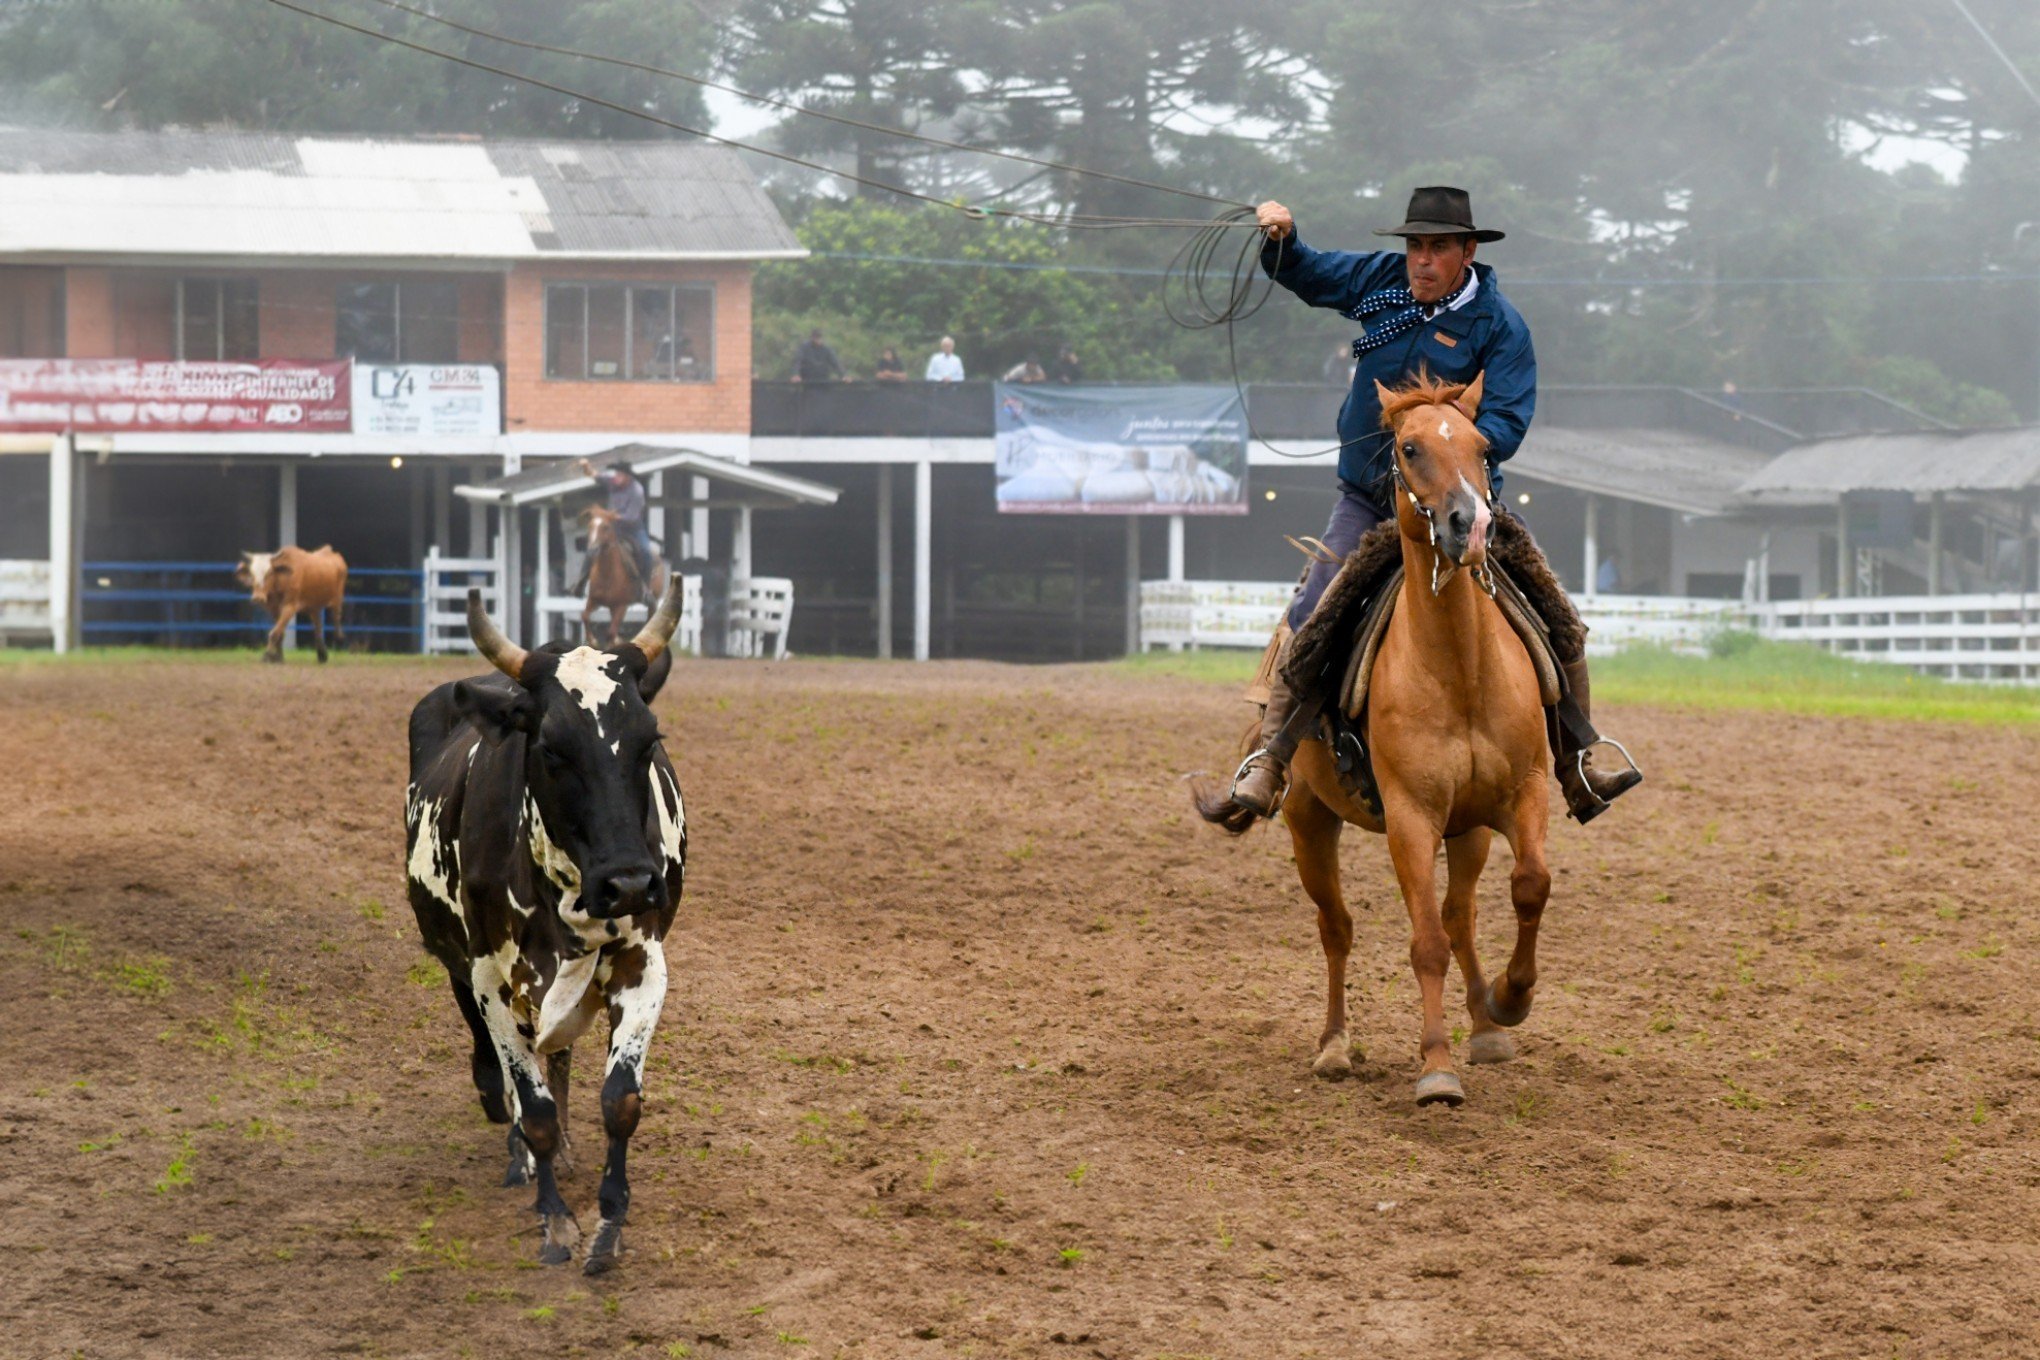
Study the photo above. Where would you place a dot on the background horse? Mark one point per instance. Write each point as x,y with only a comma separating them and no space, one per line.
1455,725
613,581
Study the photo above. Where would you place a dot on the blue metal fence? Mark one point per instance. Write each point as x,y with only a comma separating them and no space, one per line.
181,604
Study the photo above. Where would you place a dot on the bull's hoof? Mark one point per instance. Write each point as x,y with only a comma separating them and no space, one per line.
322,658
605,1253
1490,1046
273,658
1440,1088
1334,1059
1512,1014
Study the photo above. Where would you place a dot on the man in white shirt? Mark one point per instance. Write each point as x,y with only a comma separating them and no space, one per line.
944,366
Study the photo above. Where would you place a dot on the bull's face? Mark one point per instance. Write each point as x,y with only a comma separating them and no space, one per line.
585,720
253,573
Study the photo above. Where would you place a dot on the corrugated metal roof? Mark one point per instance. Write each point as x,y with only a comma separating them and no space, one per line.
1679,471
555,480
1920,463
223,194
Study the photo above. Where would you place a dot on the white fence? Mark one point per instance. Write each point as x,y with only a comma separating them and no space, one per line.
1957,637
24,599
761,610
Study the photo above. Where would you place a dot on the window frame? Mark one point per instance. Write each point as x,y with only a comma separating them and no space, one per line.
218,283
401,350
630,289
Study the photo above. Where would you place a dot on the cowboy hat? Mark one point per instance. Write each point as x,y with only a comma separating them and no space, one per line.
1440,210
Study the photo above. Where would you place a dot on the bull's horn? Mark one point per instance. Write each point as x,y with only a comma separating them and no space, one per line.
505,655
658,630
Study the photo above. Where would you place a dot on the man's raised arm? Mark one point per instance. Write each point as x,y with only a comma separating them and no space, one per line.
1322,278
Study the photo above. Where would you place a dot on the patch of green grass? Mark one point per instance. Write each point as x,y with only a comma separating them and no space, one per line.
1788,677
1069,1256
426,972
178,1174
148,978
1782,677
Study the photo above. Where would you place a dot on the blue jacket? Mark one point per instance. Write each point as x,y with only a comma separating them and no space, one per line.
1486,334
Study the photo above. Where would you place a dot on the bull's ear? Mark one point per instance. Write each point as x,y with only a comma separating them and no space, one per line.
494,708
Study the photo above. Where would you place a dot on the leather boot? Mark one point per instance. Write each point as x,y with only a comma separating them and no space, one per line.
1589,789
1263,775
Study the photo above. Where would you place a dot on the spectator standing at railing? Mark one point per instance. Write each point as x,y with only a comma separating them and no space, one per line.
943,365
889,368
1068,367
815,362
1028,370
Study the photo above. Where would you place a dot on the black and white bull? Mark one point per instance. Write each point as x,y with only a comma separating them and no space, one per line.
547,841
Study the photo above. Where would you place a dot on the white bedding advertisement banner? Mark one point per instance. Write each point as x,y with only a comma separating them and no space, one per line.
427,399
1176,450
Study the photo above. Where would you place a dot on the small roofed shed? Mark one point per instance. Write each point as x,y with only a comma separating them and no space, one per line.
677,480
1996,471
1671,469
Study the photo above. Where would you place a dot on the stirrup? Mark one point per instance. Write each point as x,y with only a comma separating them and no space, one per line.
1580,769
1257,754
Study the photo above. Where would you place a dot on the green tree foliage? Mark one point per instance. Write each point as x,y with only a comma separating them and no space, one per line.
865,297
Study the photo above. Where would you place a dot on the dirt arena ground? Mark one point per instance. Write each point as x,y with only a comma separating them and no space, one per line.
979,1045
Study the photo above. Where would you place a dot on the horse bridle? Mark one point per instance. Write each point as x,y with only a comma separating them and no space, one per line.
1483,576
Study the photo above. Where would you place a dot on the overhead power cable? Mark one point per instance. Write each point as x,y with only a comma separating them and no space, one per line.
1079,221
804,110
2002,55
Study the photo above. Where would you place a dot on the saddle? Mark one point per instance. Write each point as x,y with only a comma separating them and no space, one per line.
1330,661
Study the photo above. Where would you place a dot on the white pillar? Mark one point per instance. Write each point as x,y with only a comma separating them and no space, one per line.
655,513
1132,584
415,491
1935,513
287,527
1175,547
924,522
66,488
740,547
885,583
541,623
1593,546
512,577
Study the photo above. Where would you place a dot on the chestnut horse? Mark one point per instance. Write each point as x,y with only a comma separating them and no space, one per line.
613,581
1455,726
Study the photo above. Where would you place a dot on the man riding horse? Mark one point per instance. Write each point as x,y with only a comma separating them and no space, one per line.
1433,311
627,503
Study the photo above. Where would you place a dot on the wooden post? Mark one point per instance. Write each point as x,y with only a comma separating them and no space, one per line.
1845,560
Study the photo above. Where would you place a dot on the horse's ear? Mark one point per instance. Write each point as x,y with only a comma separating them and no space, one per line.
1382,394
1470,398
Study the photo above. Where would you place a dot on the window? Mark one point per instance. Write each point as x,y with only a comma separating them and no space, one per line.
416,321
216,319
637,333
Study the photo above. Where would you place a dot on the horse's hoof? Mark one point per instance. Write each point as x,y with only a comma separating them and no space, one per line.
1490,1046
1509,1015
562,1235
605,1253
1334,1060
1436,1088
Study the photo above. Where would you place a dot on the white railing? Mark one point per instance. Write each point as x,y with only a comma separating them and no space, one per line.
559,616
443,613
1957,637
760,607
24,599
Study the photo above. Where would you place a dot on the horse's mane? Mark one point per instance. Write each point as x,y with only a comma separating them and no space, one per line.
1422,390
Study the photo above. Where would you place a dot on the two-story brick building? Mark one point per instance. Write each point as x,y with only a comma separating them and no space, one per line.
453,306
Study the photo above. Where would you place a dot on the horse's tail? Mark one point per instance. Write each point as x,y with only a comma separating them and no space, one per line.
1216,805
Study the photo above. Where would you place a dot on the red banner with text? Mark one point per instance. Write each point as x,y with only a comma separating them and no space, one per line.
116,396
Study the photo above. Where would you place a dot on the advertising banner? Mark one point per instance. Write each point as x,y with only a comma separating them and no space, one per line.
1175,450
114,396
427,399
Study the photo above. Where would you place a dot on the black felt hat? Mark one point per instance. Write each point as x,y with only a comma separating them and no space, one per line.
1440,210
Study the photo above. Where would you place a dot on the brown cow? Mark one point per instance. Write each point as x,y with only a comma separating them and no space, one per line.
291,580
